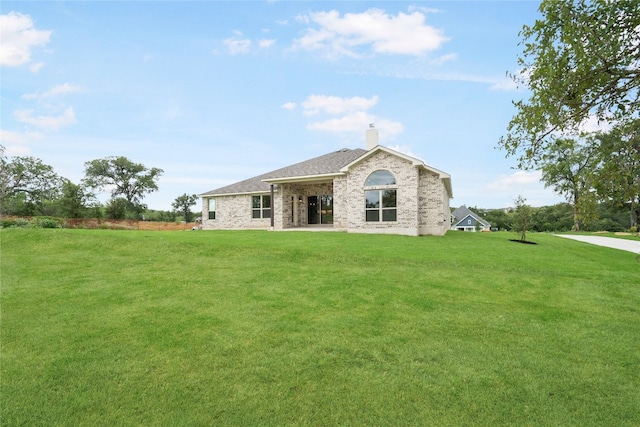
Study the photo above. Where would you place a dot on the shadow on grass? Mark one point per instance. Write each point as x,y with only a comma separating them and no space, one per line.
527,242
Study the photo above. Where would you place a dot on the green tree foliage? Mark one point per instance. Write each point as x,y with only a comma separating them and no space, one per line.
27,186
522,218
183,204
117,208
75,201
127,181
553,218
580,60
498,218
156,215
568,166
618,179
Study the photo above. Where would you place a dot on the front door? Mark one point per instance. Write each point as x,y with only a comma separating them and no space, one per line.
312,211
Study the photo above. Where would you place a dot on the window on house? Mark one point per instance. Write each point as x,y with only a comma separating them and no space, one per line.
212,208
380,178
261,206
380,203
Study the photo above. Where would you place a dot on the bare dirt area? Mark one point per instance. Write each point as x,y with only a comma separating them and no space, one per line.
112,224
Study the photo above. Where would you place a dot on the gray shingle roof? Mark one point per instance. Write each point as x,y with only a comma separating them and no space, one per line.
462,212
322,165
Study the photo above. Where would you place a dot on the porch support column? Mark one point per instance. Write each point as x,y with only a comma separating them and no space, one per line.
272,208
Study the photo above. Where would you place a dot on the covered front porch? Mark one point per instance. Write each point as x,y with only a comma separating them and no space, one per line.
308,204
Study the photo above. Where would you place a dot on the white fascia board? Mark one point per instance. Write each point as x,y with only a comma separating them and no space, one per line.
304,178
246,193
415,161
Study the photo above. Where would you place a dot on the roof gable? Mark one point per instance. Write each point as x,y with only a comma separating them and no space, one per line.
446,178
463,212
326,165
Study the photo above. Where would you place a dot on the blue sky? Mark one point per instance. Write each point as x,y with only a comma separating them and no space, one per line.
214,92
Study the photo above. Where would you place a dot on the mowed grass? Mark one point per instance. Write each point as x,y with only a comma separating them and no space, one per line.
103,328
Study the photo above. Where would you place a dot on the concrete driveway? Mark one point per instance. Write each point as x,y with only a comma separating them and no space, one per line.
610,242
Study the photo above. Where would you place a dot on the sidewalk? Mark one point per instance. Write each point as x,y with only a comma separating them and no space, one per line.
610,242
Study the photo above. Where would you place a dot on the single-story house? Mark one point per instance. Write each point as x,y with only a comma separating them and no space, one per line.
377,190
464,219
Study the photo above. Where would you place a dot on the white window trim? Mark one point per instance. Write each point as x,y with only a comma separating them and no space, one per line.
261,208
211,200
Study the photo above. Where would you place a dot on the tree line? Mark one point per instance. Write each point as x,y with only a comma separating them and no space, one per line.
29,187
556,218
581,65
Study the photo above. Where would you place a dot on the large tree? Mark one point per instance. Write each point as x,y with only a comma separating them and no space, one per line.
580,61
568,167
183,204
27,186
127,180
618,179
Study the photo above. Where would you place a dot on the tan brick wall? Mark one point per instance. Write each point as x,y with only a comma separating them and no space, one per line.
407,178
433,205
232,212
340,202
422,200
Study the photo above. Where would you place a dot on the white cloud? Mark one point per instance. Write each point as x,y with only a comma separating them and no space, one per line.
289,106
349,123
516,180
10,137
405,149
16,143
334,105
18,37
402,34
57,90
237,44
265,43
444,58
423,9
508,83
46,123
17,150
593,124
345,115
358,122
505,84
35,67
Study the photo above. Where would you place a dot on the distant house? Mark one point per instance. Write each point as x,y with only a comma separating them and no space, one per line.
377,190
464,219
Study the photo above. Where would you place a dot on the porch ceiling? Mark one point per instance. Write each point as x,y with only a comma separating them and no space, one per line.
298,179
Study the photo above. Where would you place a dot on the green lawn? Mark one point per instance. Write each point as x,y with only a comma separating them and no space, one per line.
239,328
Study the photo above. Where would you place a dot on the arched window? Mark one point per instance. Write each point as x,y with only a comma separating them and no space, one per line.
380,177
380,202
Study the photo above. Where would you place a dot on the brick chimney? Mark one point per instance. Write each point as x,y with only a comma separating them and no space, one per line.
372,137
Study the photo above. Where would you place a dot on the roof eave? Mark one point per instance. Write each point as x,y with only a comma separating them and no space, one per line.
245,193
303,178
414,161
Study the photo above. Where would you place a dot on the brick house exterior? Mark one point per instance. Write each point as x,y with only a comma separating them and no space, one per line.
377,190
